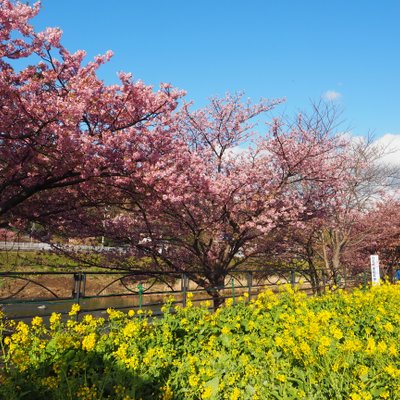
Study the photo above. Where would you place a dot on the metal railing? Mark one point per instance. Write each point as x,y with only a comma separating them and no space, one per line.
26,294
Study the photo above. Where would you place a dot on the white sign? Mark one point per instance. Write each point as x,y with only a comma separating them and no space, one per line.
375,274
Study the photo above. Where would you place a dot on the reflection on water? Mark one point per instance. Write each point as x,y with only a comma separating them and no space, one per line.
96,306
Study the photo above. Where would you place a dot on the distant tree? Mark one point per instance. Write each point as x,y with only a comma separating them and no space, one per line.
61,127
339,243
382,225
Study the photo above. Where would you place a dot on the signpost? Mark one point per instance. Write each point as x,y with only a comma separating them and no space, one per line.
375,274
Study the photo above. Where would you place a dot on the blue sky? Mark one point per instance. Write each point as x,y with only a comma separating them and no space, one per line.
299,50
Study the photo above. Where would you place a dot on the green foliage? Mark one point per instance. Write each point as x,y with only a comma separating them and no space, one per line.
49,261
33,260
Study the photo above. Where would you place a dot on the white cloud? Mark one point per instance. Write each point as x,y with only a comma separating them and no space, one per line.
331,95
390,144
237,151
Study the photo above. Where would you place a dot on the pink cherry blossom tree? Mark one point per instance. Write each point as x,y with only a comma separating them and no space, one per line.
206,211
62,129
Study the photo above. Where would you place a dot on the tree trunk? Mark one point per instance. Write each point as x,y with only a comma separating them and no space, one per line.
218,299
216,291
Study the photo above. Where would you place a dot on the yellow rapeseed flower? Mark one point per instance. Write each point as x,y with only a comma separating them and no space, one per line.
74,309
229,302
130,329
392,350
207,393
235,395
371,346
37,321
381,347
225,330
55,319
388,327
392,371
281,378
194,380
89,342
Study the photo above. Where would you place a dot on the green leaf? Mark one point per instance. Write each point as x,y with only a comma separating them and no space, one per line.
226,340
213,385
